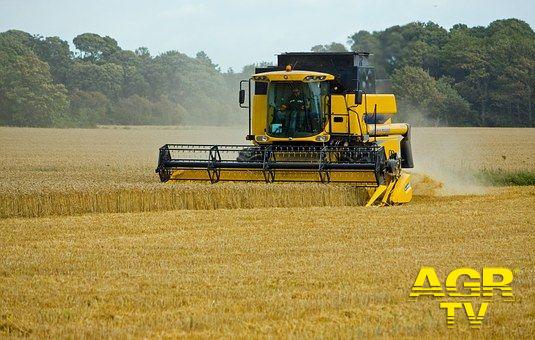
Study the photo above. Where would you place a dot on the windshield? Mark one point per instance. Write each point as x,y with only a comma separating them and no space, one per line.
297,109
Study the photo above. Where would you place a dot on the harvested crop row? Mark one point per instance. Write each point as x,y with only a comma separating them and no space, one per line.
195,196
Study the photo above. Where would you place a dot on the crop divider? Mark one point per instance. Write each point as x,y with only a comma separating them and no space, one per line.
268,159
214,158
325,175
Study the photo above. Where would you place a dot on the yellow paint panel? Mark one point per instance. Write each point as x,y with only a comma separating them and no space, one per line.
259,114
390,143
338,104
402,192
339,116
339,123
386,103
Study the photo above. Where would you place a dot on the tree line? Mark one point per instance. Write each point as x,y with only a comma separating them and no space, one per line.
464,76
44,83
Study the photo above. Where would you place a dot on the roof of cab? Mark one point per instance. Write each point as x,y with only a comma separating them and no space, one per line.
297,75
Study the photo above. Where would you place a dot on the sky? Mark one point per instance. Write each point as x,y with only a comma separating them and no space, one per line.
236,33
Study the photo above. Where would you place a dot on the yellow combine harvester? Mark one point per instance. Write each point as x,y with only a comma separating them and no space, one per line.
315,117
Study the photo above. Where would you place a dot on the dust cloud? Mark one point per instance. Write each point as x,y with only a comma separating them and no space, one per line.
445,162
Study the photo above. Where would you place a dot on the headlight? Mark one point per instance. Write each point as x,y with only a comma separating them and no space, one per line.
313,78
261,138
321,138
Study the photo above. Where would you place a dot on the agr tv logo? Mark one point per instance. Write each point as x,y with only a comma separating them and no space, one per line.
463,286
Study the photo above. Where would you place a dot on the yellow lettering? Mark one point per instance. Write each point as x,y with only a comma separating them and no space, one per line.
475,320
473,286
450,308
503,283
427,274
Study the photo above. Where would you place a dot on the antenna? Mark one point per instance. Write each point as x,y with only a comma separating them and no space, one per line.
375,119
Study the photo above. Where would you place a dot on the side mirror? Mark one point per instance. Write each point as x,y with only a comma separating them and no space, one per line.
358,97
242,97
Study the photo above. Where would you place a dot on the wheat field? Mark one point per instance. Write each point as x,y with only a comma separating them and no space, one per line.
269,272
73,171
64,172
91,245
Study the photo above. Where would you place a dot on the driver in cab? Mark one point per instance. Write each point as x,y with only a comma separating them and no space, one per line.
295,102
294,109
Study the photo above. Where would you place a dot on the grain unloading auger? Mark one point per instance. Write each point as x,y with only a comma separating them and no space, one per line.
313,118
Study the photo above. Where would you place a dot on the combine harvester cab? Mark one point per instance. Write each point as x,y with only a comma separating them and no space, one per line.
313,118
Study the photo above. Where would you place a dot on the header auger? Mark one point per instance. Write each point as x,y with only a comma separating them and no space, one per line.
315,117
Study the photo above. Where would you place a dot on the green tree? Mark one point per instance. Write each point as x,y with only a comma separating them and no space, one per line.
107,78
134,83
124,58
30,97
56,53
414,86
134,110
204,59
165,112
142,52
364,41
492,68
451,108
88,108
332,47
426,101
95,48
511,45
